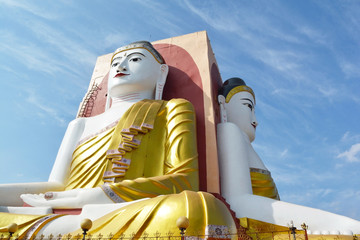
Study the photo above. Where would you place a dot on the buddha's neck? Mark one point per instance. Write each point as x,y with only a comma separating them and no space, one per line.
130,98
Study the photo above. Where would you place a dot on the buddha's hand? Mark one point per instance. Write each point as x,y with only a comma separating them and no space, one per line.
75,198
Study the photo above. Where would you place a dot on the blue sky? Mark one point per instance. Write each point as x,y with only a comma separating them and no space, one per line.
301,58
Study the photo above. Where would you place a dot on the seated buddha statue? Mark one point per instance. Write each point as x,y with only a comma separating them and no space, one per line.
239,101
246,183
132,169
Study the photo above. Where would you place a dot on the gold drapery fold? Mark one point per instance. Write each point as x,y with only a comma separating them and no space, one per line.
164,162
89,162
263,184
23,221
159,214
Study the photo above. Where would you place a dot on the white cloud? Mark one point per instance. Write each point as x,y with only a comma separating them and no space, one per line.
31,59
307,197
161,18
355,98
297,174
313,34
284,153
71,49
40,104
352,154
350,137
115,40
327,91
345,136
32,8
30,55
284,46
345,15
262,37
270,110
56,53
152,5
284,61
10,70
350,69
220,22
343,202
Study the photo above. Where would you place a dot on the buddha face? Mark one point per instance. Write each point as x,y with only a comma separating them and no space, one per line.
134,70
241,111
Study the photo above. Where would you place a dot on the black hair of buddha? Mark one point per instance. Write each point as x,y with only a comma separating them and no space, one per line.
149,45
229,84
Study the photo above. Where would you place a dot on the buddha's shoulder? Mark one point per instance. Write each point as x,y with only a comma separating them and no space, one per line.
179,104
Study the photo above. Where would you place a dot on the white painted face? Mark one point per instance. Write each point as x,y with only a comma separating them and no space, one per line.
240,110
133,70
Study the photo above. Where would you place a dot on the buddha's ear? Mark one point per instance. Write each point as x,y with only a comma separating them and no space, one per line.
108,98
221,99
223,114
108,102
164,70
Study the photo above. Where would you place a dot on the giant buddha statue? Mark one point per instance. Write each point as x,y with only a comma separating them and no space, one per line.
247,184
132,169
137,167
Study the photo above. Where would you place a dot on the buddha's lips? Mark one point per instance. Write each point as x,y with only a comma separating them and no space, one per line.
121,74
254,125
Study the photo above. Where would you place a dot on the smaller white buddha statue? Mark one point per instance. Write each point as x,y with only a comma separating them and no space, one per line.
237,106
246,183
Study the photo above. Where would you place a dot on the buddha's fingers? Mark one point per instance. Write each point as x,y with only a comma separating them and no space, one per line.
34,200
63,194
40,201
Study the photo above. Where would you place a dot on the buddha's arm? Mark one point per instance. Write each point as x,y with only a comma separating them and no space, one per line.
75,198
11,192
60,170
181,162
130,190
233,150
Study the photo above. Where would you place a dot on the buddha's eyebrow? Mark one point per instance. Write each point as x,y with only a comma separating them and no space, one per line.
136,53
116,58
248,100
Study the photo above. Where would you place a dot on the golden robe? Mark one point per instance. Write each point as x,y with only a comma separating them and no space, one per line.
149,153
140,162
263,184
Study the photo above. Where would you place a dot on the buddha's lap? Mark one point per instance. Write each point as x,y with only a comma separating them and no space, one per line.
153,215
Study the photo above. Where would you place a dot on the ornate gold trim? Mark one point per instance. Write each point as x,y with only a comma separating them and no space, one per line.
237,89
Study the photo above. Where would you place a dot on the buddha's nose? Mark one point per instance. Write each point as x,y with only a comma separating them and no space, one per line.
254,120
255,123
121,68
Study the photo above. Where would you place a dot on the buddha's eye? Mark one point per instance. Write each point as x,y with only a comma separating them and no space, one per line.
114,64
249,106
135,59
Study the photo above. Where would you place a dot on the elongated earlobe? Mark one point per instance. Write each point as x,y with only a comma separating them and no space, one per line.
223,115
108,100
164,70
